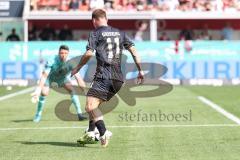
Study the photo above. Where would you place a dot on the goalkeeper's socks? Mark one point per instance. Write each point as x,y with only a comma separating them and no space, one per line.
101,127
76,103
40,105
91,126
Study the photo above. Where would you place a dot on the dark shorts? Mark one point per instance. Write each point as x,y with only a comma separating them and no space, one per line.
104,89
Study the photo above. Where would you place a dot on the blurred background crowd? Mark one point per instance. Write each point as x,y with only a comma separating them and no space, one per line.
49,33
138,29
137,5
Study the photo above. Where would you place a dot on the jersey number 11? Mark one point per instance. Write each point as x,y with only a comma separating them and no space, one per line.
113,52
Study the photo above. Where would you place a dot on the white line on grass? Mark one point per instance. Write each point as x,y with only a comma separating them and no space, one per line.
16,93
219,109
135,126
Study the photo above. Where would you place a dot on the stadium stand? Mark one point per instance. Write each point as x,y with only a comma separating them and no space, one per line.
137,5
207,19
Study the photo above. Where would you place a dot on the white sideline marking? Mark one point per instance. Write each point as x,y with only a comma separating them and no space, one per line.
16,93
219,109
136,126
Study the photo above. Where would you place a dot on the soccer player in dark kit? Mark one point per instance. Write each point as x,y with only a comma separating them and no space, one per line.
107,43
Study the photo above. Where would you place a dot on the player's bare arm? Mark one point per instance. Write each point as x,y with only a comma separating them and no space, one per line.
137,61
85,58
80,82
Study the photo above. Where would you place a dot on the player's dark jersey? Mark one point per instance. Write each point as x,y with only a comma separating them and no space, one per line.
108,43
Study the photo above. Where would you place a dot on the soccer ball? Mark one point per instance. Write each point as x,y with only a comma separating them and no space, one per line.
95,134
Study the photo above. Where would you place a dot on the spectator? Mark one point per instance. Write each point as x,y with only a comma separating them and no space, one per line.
208,6
0,36
218,5
84,5
141,29
163,5
164,37
74,5
32,33
132,5
204,35
13,36
108,4
94,4
118,5
64,5
229,5
186,34
33,5
227,32
152,5
47,4
48,33
185,5
65,33
141,5
172,4
129,5
199,5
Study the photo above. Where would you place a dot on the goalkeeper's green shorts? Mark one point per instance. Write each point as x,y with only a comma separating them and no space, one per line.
59,83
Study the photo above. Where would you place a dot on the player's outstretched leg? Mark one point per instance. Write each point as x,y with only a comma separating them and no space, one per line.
40,106
105,135
68,86
77,106
95,117
91,125
91,135
41,101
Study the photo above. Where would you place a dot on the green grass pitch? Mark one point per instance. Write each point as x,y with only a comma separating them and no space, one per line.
209,135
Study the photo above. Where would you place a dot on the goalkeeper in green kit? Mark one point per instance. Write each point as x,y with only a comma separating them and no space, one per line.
57,71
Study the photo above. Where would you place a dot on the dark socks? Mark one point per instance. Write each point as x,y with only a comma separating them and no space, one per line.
91,126
101,127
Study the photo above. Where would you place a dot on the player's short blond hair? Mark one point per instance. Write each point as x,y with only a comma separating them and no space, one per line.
99,13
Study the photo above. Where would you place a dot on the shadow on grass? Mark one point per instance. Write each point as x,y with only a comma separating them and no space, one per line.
22,120
63,144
